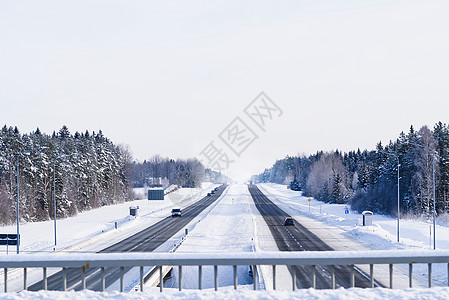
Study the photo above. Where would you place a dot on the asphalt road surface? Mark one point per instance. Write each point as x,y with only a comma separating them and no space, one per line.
299,238
146,240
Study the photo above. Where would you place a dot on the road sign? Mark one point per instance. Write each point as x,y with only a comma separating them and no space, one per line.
156,194
309,200
346,211
8,239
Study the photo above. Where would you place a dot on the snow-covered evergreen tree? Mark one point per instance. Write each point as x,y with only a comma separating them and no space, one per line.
95,176
294,184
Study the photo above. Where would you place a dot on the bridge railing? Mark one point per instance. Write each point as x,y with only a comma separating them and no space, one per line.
254,259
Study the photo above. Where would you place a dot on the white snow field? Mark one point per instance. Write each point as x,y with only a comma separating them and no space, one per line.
94,225
232,224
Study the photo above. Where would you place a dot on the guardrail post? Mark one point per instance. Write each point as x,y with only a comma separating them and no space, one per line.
293,279
200,277
161,280
391,276
5,272
430,274
410,275
84,277
255,279
448,274
103,279
274,277
44,270
122,275
216,277
235,277
25,279
371,275
351,276
333,277
180,277
64,279
141,278
313,276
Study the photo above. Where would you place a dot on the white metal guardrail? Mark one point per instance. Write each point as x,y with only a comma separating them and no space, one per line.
312,258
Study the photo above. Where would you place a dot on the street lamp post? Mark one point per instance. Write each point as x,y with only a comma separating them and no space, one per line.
397,157
17,178
433,179
54,188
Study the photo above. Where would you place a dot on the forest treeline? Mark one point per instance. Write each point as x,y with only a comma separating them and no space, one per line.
185,173
90,171
367,180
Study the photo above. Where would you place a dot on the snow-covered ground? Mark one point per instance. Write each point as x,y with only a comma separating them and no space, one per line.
381,235
94,230
344,231
39,236
233,224
229,227
340,294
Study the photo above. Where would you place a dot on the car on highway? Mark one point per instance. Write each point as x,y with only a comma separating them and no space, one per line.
176,212
208,194
212,192
289,221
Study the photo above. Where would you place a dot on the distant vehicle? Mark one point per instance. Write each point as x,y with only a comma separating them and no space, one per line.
289,221
176,212
216,189
208,194
212,192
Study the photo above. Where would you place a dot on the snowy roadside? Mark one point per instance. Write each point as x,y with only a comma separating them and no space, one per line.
94,230
413,233
343,231
39,236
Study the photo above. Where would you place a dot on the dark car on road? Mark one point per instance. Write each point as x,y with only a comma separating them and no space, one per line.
289,221
176,212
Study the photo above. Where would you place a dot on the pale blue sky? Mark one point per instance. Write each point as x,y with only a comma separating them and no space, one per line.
167,78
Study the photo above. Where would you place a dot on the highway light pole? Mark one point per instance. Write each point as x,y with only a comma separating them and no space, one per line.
397,157
17,178
54,187
433,179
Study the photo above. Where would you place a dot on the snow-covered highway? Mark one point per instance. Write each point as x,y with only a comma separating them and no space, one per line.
146,240
231,225
299,238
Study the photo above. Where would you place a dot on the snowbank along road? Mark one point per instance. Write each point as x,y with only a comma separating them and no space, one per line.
299,238
146,240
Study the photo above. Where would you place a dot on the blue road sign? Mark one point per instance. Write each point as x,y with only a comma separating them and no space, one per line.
8,239
346,211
